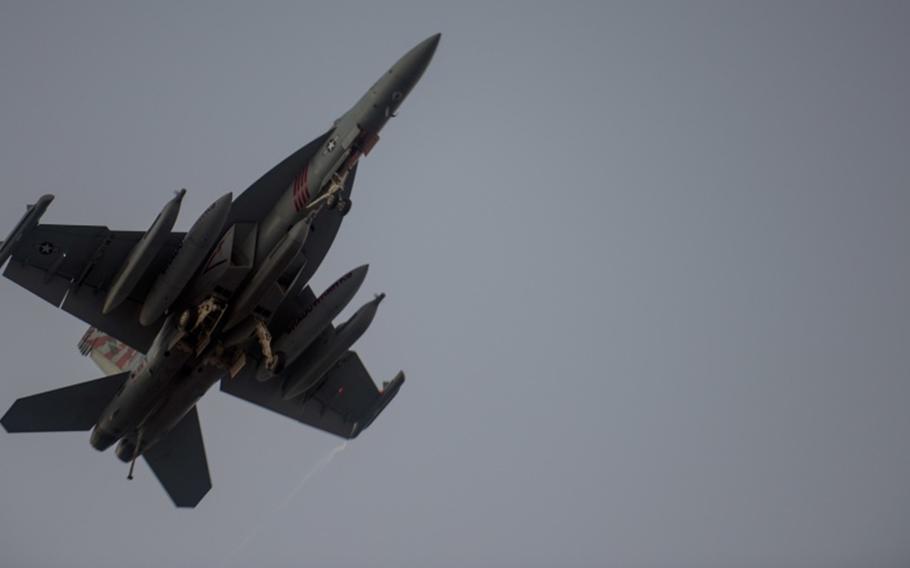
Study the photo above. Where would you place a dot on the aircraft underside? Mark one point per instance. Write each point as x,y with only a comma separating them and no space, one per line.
227,302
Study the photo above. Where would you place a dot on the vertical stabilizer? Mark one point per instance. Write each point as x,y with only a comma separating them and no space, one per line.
111,355
179,462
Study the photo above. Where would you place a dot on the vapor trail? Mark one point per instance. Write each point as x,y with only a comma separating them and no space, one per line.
317,467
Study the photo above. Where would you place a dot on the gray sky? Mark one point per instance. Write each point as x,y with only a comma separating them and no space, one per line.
646,268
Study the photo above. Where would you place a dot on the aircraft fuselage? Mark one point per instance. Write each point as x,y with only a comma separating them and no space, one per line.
200,343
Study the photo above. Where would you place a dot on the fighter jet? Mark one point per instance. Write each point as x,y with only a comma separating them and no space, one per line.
227,302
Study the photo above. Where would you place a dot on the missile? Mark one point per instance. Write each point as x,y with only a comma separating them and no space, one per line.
315,319
28,222
304,372
196,245
266,275
143,254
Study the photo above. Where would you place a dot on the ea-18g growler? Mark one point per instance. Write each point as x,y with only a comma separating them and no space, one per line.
227,302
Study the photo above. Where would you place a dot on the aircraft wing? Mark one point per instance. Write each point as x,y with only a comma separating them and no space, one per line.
72,266
345,404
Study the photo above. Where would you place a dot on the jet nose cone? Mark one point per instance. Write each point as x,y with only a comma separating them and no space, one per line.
424,50
415,62
429,45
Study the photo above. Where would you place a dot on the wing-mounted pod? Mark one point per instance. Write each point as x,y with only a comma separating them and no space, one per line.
142,255
28,222
261,292
305,372
317,317
196,245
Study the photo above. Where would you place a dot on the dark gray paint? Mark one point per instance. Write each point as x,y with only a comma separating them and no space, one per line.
211,342
73,408
660,266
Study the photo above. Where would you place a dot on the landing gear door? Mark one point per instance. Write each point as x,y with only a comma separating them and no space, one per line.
349,137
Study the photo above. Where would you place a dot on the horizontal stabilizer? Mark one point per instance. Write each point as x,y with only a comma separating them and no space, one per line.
72,408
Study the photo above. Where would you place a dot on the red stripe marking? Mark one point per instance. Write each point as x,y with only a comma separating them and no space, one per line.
294,195
295,187
300,190
306,188
125,360
100,341
112,350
